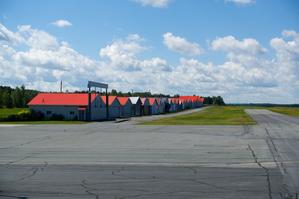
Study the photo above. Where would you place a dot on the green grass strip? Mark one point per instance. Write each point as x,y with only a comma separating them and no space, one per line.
215,115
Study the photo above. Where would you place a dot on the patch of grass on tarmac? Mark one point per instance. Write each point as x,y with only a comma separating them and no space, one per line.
292,111
215,115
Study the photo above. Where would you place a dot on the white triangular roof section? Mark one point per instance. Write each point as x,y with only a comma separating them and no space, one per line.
134,100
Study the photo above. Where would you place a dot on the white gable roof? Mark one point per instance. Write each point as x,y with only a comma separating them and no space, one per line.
134,100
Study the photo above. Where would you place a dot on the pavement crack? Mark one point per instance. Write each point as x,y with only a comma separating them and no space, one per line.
271,140
264,168
151,194
246,131
11,196
194,170
89,190
44,166
34,171
277,159
28,142
21,159
211,185
118,174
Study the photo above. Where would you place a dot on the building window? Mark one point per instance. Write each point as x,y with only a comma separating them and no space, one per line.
49,112
72,112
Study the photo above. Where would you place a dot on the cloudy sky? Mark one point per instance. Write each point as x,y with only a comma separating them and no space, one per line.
244,50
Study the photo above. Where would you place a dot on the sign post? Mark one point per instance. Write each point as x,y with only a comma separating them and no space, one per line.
99,85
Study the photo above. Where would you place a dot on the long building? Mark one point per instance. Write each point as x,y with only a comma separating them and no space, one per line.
126,106
114,106
74,106
136,106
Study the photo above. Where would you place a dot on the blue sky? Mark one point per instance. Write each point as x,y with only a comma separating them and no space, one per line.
233,48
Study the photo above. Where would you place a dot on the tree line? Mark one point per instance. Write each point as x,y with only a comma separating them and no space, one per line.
214,100
15,97
209,100
114,92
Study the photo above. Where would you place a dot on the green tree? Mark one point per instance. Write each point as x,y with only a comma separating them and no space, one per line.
1,99
16,96
113,92
221,101
218,101
6,99
208,100
23,96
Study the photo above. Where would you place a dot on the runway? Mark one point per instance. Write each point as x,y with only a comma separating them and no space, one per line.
122,160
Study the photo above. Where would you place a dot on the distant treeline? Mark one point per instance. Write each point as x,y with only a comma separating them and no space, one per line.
210,100
129,94
266,105
15,97
214,100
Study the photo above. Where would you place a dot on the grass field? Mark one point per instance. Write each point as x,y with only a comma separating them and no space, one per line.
45,122
216,115
292,111
5,112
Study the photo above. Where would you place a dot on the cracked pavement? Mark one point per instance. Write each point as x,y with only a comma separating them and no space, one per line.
123,161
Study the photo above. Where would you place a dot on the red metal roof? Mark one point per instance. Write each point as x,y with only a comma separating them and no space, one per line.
201,99
67,99
151,100
158,100
143,100
123,100
110,99
174,100
190,98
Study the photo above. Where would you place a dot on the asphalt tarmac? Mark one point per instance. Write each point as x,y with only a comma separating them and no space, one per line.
123,160
283,141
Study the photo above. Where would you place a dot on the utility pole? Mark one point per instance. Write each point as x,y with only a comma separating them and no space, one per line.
107,104
89,105
61,86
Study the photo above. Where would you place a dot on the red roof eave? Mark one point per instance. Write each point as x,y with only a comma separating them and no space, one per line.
61,99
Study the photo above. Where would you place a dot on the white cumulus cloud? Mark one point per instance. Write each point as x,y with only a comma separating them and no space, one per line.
9,36
122,52
42,62
241,2
246,50
37,39
181,45
244,76
231,44
154,3
62,23
287,56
